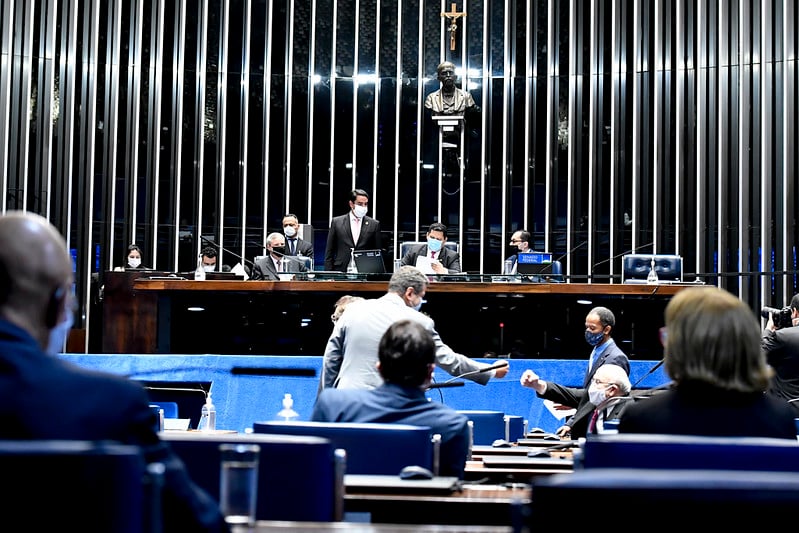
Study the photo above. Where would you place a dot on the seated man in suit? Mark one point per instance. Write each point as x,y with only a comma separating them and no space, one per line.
353,230
519,244
269,267
441,259
295,245
45,397
406,359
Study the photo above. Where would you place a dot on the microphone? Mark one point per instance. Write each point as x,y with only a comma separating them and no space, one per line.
607,260
650,372
502,364
237,256
445,385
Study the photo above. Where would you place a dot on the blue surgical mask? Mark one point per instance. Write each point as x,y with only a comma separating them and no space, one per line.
434,244
594,338
419,305
58,335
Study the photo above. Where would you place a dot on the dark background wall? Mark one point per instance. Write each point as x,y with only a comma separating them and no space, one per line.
602,127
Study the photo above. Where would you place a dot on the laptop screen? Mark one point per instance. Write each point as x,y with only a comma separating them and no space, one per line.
533,263
369,261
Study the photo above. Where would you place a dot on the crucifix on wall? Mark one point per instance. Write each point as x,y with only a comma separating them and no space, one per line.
453,17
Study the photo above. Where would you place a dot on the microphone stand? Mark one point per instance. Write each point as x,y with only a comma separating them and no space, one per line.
222,248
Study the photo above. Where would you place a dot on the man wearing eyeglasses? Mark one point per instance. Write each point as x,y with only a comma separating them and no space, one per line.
519,244
599,324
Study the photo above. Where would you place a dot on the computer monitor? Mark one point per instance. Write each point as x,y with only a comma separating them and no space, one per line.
534,263
369,261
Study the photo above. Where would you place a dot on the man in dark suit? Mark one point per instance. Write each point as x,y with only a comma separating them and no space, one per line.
271,266
406,359
599,324
45,397
295,245
519,244
353,230
442,259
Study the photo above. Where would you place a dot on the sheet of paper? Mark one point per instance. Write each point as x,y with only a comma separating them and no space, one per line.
560,414
176,424
425,264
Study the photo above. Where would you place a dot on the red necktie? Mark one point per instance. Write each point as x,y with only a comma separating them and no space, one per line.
592,423
433,255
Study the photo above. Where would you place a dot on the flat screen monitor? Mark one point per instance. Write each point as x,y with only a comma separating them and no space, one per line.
369,261
534,263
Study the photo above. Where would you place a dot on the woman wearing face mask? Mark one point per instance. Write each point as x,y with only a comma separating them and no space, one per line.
599,324
133,259
441,259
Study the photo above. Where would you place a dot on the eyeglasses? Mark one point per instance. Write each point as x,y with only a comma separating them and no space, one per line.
515,241
598,382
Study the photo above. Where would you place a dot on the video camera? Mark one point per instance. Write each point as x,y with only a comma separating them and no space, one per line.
780,317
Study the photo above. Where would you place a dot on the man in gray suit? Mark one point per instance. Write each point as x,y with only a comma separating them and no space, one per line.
353,230
350,360
269,267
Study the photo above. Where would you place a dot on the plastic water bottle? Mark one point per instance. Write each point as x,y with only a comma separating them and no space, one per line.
652,277
284,264
199,274
352,268
288,413
208,415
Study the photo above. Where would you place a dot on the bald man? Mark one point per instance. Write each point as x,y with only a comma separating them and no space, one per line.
44,397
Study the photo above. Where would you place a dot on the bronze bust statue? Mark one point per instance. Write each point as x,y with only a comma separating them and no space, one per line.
448,100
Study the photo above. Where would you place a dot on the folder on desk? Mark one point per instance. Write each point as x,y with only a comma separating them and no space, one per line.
395,485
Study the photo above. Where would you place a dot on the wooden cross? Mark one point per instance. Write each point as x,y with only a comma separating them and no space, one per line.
453,17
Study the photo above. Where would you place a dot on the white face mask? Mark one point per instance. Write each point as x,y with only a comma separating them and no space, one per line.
360,210
59,334
134,262
289,231
209,268
596,395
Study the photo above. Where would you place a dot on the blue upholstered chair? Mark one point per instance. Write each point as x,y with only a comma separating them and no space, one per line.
514,427
405,247
299,478
67,485
632,450
371,448
724,498
488,426
636,267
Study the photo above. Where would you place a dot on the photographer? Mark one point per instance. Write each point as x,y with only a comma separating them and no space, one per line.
780,343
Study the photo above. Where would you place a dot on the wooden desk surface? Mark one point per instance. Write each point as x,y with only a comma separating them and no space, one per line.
617,289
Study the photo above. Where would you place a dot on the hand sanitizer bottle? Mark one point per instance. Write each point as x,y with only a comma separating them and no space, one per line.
208,415
199,274
352,268
652,277
288,413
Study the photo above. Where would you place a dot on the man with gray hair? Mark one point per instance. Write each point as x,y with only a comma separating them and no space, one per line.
270,266
350,360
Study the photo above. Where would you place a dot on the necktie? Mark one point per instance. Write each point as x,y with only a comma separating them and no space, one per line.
592,423
356,229
293,246
433,255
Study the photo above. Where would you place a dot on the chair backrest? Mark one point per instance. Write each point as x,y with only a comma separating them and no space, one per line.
636,267
60,485
721,497
372,448
299,478
170,408
631,450
405,247
488,426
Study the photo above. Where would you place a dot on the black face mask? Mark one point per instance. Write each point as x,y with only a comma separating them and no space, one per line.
279,249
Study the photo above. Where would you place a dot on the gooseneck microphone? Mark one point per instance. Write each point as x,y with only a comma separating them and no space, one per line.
649,373
607,260
445,385
502,364
237,256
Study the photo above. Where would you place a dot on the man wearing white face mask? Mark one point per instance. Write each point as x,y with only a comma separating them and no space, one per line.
350,360
609,393
442,259
44,397
208,259
354,230
295,245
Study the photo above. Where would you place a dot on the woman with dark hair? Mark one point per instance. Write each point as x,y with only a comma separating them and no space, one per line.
133,259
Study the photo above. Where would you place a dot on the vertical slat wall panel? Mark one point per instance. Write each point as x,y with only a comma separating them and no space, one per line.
157,122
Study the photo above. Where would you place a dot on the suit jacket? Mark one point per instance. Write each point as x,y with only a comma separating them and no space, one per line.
43,397
449,258
304,248
264,268
611,354
395,404
340,242
693,408
782,352
351,354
